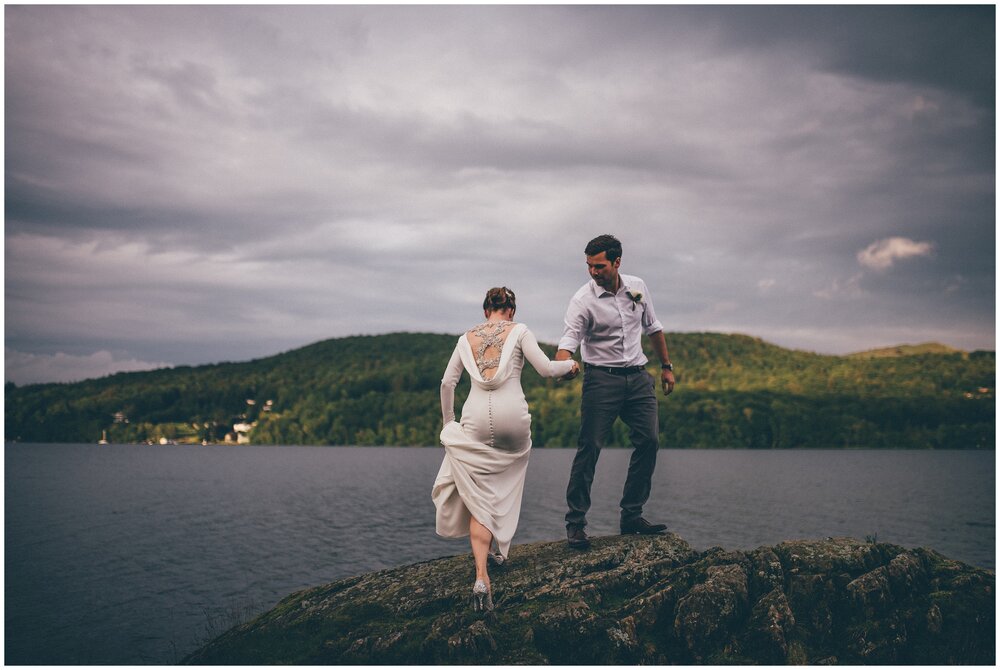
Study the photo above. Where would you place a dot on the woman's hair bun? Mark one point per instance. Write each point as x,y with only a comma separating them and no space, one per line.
499,298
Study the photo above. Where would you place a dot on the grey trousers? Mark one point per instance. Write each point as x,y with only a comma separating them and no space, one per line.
606,397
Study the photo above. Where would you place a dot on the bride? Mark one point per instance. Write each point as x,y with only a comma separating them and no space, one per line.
478,489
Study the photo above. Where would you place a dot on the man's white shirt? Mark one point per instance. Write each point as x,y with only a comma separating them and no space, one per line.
607,326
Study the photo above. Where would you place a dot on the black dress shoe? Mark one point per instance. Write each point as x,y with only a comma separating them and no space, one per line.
642,527
577,538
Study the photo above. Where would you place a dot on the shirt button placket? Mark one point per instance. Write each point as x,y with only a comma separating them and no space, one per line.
621,316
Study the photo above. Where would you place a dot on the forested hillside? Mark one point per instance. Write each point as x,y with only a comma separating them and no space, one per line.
732,391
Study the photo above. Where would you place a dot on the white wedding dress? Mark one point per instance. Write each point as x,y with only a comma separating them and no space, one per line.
486,455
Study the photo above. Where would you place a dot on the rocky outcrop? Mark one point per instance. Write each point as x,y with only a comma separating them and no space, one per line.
649,600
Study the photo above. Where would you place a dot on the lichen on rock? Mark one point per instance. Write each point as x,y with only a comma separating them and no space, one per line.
640,600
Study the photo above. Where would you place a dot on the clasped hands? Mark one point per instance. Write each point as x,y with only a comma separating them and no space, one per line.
574,371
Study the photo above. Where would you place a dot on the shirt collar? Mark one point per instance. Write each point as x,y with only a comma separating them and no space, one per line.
598,291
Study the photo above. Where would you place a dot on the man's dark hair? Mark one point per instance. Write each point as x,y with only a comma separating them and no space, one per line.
609,244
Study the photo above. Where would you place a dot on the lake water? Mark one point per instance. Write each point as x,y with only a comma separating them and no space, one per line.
132,554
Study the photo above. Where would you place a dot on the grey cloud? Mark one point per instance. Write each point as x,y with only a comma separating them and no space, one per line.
245,168
951,48
193,85
521,145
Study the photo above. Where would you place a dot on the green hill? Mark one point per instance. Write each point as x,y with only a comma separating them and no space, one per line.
908,350
733,391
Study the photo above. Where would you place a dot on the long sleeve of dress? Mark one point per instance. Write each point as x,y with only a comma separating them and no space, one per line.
534,355
452,374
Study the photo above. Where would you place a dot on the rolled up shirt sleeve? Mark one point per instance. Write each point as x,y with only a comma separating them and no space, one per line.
650,324
574,324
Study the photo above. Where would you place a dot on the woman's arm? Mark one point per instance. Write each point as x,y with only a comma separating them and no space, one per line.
452,374
534,355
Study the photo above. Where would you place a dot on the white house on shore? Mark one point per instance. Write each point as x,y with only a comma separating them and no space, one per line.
242,431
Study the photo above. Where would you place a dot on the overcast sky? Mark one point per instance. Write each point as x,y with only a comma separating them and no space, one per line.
186,185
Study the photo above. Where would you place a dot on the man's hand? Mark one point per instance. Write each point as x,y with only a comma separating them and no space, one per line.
660,347
667,379
563,355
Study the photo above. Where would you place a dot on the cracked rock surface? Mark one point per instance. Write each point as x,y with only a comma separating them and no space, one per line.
634,599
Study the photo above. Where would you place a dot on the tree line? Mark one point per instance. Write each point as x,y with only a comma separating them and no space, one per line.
733,391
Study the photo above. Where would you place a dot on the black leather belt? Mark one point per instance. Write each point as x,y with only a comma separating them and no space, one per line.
631,370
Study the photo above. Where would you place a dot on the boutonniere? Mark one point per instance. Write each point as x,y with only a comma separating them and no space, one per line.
634,296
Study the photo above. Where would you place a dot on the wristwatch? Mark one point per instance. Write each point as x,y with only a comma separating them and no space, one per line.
667,366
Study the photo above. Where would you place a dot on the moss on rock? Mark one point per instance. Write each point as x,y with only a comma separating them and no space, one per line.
648,600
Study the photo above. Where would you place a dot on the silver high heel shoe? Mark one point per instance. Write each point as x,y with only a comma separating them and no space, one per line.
496,558
482,599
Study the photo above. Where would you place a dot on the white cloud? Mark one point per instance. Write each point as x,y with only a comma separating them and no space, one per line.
24,368
882,254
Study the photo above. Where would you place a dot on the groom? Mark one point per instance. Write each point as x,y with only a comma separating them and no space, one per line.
606,319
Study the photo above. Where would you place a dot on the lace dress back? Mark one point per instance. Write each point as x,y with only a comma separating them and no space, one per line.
487,340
